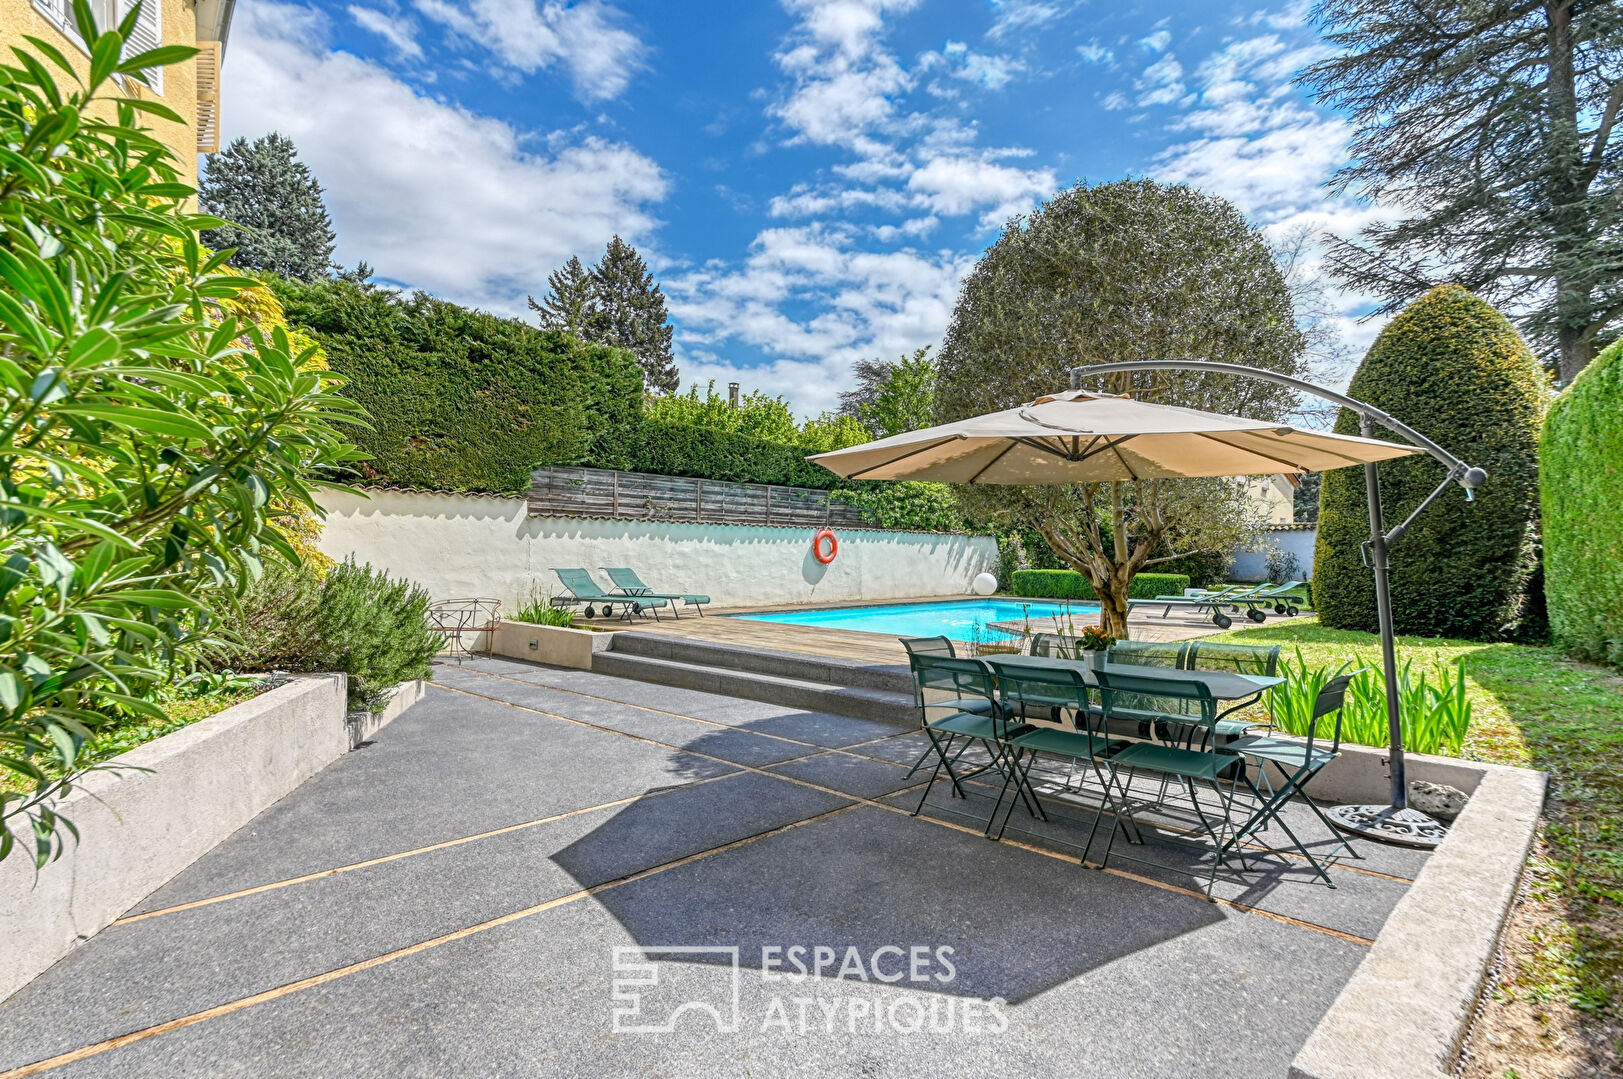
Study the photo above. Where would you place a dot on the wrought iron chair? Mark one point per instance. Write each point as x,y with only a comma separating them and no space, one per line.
1048,713
455,620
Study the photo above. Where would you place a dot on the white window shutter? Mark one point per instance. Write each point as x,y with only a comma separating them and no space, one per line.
148,34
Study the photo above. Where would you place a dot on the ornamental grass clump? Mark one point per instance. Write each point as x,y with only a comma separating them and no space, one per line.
1434,707
150,439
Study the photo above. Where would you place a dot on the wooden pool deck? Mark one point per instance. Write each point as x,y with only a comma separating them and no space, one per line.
716,626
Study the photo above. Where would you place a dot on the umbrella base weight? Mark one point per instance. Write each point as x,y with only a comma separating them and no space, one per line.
1405,827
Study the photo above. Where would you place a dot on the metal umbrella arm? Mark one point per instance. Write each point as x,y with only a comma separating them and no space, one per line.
1394,822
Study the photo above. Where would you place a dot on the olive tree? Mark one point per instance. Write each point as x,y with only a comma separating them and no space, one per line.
1132,270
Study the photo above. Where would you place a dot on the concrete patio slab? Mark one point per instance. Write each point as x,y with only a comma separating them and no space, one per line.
492,952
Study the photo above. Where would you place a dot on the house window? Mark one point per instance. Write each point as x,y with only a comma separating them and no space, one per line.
147,33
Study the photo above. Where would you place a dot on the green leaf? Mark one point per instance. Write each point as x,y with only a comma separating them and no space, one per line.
162,56
95,346
177,424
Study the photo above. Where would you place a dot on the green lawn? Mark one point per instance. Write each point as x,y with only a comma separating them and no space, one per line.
1535,707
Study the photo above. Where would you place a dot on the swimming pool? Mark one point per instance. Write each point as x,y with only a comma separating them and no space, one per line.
959,620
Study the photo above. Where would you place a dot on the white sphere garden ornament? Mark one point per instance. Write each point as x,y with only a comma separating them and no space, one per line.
984,584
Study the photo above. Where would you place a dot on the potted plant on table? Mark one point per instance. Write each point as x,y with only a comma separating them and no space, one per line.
1095,642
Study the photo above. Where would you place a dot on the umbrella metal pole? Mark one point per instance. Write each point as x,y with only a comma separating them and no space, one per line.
1383,615
1394,822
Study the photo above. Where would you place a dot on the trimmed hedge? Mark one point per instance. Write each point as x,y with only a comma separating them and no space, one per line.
1070,584
678,449
1581,488
461,400
1455,370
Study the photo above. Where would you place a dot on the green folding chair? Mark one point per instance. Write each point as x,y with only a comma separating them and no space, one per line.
1049,715
1297,762
1183,704
1241,659
952,735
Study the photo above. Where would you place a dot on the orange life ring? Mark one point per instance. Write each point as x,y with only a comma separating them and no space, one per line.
833,546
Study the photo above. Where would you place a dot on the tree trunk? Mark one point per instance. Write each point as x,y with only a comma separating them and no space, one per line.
1574,273
1113,611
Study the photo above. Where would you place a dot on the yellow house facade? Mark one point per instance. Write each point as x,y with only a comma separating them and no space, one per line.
191,89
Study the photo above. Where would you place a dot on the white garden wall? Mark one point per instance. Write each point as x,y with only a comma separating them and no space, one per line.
472,545
1297,539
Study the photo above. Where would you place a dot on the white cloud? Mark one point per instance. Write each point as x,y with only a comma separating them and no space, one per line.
871,304
1255,141
1161,83
432,195
398,32
957,185
1095,53
1015,16
992,71
1157,41
1114,101
529,36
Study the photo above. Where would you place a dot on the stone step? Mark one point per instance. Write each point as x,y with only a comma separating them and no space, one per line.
810,695
799,666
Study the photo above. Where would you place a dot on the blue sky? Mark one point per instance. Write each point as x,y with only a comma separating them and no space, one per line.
810,180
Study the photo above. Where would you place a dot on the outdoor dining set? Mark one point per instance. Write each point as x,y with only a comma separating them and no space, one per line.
1142,731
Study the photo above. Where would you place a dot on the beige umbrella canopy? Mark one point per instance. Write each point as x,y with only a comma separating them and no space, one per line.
1083,437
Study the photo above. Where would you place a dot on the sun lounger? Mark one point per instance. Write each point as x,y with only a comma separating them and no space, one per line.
583,590
627,581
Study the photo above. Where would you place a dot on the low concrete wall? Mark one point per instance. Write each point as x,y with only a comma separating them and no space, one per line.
472,545
139,828
1405,1011
362,725
556,645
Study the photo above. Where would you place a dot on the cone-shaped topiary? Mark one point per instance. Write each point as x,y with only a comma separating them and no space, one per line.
1581,483
1454,369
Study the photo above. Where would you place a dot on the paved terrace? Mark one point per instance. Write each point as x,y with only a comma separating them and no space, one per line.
448,901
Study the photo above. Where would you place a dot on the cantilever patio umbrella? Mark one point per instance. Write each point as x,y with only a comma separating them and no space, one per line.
1083,437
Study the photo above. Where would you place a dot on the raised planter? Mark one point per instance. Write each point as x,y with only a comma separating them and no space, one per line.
167,803
557,645
1405,1011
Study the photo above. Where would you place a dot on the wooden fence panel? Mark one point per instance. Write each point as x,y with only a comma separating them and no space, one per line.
600,492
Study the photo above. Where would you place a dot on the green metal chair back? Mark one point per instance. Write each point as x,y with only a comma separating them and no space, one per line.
580,583
928,646
1150,653
1041,697
1239,658
1140,697
956,680
1331,696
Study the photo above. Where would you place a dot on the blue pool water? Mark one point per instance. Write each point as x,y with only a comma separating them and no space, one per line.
958,620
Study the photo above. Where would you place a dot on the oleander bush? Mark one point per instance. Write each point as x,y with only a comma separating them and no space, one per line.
152,438
1456,370
1581,492
1069,584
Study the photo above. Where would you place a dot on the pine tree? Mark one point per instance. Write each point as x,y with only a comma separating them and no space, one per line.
632,314
569,305
1494,128
278,220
